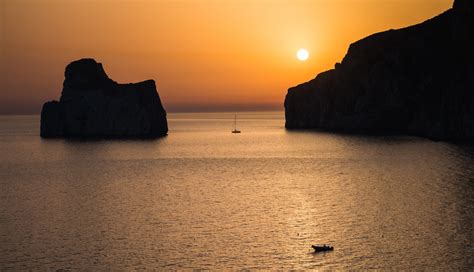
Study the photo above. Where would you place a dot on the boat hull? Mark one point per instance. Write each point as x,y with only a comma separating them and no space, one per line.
322,248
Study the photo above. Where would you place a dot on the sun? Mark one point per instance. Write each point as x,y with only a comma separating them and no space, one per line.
302,54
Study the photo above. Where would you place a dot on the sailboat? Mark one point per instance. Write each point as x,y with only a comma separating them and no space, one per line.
235,125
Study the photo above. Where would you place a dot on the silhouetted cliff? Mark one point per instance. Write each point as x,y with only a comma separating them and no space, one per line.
93,105
417,80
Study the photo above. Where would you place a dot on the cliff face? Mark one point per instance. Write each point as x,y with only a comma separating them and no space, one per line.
417,80
93,105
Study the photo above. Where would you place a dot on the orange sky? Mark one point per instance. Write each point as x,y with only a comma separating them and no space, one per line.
203,54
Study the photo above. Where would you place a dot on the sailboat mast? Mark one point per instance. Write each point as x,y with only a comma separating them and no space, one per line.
235,125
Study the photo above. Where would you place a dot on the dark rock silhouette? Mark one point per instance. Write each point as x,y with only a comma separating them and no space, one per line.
93,105
417,80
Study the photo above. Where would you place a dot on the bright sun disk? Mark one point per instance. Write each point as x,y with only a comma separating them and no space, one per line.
302,54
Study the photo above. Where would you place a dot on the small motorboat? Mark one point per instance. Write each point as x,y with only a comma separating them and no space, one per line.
322,248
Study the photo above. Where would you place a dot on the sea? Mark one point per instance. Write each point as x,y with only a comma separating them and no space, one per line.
204,198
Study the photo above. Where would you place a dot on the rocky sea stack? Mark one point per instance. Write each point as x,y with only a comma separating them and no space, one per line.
93,105
417,80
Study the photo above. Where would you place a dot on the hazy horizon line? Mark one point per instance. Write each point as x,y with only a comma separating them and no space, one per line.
173,108
175,111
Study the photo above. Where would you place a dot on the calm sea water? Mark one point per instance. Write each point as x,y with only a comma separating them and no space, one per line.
207,199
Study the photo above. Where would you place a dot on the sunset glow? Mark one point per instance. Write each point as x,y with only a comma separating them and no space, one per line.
204,55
